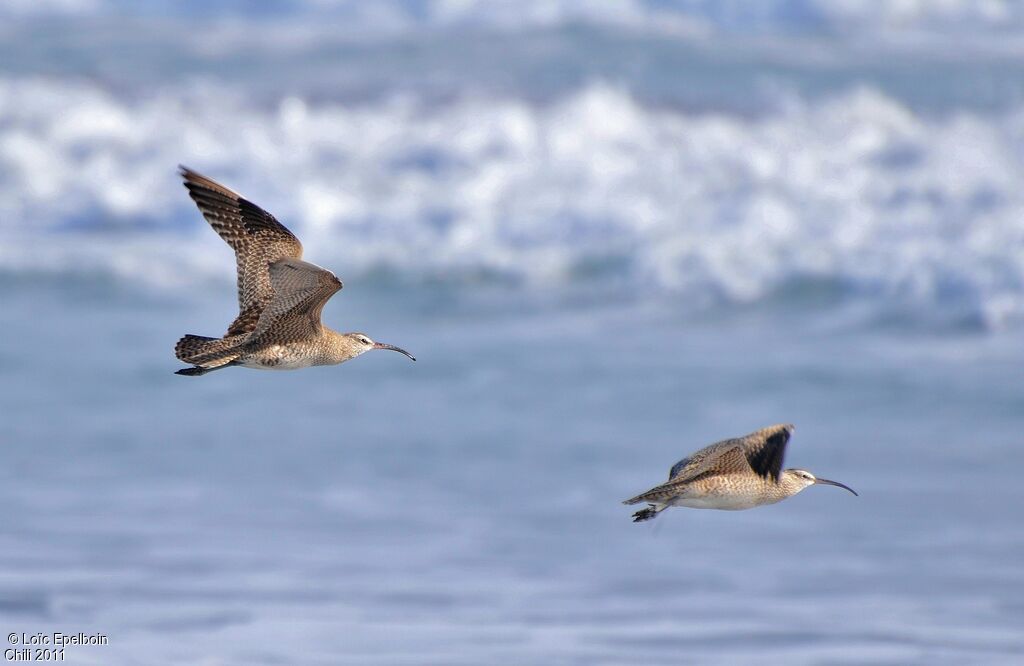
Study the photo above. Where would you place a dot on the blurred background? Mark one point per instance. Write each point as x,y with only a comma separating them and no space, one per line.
612,233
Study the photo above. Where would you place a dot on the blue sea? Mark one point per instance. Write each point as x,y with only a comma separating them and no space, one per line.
611,235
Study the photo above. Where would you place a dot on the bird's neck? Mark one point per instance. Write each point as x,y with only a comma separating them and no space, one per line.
789,485
339,347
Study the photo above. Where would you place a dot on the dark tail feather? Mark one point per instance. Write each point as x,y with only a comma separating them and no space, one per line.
198,371
193,346
207,352
192,372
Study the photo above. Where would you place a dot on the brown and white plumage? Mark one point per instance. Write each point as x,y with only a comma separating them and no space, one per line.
257,238
301,290
733,474
280,297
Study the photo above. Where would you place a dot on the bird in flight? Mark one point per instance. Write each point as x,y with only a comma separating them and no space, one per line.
280,297
732,474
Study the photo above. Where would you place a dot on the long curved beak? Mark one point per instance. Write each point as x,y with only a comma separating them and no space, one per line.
381,345
826,482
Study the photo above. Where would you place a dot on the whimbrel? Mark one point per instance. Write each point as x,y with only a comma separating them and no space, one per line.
280,297
732,474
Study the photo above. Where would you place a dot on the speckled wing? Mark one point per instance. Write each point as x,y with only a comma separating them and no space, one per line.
257,238
703,460
765,449
300,291
679,467
762,451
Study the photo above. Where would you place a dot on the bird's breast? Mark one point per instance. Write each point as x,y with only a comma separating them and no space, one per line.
721,502
727,492
279,357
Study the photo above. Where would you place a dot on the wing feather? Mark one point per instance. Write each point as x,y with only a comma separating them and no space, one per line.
766,449
257,238
762,451
300,291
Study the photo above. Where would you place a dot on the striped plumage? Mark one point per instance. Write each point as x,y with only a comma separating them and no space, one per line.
257,238
280,297
733,474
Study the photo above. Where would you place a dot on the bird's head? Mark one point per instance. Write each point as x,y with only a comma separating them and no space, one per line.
798,479
362,343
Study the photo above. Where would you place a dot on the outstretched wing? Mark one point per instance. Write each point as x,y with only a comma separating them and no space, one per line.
679,467
256,237
766,449
761,451
726,455
300,291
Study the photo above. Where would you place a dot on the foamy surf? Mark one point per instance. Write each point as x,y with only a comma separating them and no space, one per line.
855,191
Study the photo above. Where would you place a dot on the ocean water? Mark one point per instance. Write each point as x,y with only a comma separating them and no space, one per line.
610,238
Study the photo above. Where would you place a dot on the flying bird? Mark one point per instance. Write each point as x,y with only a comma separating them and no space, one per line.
280,297
732,474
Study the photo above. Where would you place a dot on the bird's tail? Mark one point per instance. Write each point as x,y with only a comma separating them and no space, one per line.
196,371
654,506
632,500
652,496
207,353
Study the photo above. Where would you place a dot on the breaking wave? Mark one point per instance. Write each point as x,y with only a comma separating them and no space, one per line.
854,191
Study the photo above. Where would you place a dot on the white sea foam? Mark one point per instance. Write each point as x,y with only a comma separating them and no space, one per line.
853,191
